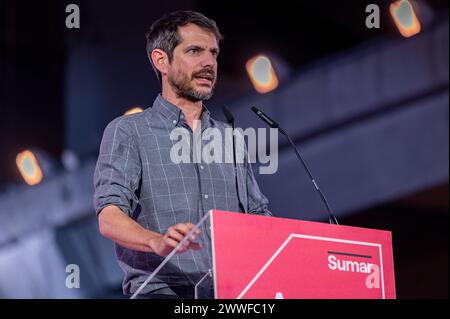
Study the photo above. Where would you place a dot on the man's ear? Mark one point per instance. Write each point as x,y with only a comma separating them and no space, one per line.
160,60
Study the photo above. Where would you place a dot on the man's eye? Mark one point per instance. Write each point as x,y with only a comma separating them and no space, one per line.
193,51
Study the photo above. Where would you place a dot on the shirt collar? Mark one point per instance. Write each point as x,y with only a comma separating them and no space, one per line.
174,114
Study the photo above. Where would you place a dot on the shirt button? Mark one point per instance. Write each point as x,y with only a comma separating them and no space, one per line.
201,167
174,122
206,196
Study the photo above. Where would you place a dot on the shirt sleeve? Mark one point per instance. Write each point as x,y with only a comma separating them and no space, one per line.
257,202
118,170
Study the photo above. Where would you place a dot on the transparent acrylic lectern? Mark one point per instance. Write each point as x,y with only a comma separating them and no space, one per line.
201,276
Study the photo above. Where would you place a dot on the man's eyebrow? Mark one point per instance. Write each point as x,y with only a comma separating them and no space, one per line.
198,47
194,46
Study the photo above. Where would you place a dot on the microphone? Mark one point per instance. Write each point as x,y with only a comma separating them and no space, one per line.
230,120
332,219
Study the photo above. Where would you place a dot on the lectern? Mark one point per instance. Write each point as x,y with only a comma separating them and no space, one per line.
263,257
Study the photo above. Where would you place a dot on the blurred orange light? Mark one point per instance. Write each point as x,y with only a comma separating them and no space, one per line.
405,18
29,168
134,110
262,74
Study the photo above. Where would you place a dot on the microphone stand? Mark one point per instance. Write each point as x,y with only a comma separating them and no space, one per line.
332,219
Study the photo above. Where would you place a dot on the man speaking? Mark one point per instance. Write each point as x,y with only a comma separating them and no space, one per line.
146,203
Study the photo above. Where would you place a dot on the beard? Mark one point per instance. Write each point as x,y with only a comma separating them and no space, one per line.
182,85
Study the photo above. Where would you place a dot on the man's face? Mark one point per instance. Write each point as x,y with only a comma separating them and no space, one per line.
193,71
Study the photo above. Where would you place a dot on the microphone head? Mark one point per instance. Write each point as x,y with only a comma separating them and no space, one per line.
264,117
228,116
254,109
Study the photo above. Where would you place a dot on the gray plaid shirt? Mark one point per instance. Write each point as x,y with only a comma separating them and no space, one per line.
134,171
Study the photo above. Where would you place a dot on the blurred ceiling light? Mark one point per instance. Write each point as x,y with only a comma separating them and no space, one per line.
134,110
29,168
262,74
405,18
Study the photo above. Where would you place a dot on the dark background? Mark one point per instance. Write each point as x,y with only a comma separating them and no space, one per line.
60,87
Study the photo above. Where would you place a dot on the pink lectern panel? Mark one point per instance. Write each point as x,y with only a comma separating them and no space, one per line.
269,257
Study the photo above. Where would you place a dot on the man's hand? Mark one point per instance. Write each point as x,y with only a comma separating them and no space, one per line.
164,244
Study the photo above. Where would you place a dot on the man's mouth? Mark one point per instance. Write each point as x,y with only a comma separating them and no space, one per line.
204,78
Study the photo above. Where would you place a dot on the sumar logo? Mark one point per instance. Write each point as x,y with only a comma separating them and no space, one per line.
334,263
346,265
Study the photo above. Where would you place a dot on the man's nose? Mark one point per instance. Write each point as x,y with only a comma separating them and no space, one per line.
209,60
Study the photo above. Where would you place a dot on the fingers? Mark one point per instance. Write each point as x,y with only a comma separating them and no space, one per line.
185,228
195,246
176,233
170,242
182,228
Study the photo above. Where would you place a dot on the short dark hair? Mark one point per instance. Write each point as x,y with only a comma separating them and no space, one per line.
163,33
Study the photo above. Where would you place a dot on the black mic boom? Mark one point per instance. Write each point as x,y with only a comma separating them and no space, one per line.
332,219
